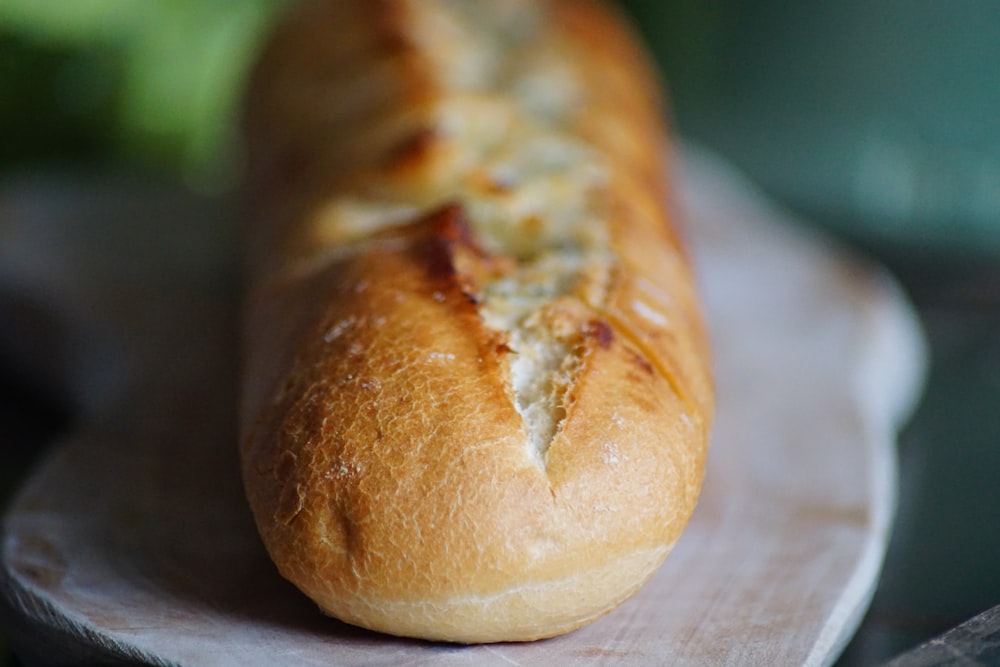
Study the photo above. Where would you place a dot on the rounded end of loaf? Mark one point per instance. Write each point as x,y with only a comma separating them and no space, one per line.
397,486
525,612
483,544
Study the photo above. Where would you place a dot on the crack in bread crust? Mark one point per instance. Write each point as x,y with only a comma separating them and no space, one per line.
499,145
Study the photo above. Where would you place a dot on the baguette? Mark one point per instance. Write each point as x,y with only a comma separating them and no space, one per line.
476,395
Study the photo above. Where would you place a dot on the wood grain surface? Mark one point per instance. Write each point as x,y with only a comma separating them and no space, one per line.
974,643
132,542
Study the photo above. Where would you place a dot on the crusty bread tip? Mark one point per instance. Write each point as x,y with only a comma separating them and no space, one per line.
477,393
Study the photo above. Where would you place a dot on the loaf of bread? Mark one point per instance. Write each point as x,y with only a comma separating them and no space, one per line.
477,392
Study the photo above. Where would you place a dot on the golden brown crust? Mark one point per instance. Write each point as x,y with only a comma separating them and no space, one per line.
397,457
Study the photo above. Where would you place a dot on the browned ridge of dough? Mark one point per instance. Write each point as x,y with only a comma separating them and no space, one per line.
477,387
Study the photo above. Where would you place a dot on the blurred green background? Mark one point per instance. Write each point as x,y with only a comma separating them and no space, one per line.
879,121
144,82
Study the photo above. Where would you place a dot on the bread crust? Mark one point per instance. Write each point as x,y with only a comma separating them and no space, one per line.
399,468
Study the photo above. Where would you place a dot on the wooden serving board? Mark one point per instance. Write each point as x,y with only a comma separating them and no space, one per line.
131,541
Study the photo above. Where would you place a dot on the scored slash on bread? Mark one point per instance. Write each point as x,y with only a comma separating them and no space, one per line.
477,387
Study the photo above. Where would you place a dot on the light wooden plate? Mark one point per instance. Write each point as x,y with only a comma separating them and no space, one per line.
132,542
